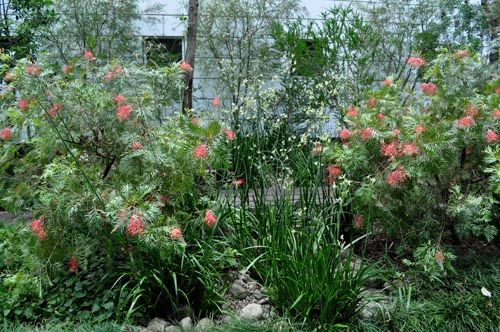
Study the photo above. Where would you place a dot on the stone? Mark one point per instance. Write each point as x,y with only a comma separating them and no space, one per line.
137,329
157,325
237,291
252,311
355,264
172,328
264,300
186,323
204,324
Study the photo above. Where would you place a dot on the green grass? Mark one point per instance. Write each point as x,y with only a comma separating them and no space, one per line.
61,327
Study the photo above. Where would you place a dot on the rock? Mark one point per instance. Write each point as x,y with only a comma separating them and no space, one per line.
252,311
389,285
172,328
204,324
186,323
355,264
369,310
137,329
237,291
157,325
264,300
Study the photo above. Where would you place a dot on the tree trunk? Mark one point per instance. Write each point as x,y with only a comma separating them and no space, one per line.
187,100
491,10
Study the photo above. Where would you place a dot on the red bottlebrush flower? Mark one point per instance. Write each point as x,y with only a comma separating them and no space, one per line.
210,218
33,70
410,149
387,82
135,225
461,54
366,134
344,134
38,227
88,55
123,112
176,233
439,257
67,69
396,132
185,66
397,176
429,89
136,146
497,90
195,121
23,104
491,136
229,134
6,134
466,122
239,182
371,103
352,111
380,116
419,129
317,149
358,221
119,99
109,76
201,151
415,62
53,110
72,265
496,113
471,111
216,102
389,150
333,171
118,70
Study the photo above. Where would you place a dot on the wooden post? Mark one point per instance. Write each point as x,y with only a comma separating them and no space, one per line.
187,100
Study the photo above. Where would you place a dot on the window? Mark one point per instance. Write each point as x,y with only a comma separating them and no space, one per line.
162,50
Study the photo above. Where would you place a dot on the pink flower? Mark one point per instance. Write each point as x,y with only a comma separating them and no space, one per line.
67,69
371,103
185,66
119,99
387,82
358,221
6,134
135,225
216,102
439,257
410,149
491,136
317,149
396,132
108,76
497,90
352,111
471,111
136,146
380,116
38,227
73,265
33,70
118,70
123,112
200,151
344,134
53,110
23,104
210,218
397,176
195,121
461,54
176,233
466,122
366,134
239,183
389,150
429,89
415,62
229,134
496,113
88,55
333,171
419,129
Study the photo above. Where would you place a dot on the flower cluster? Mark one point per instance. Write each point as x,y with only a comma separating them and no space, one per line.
135,225
38,227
